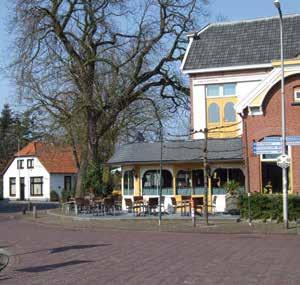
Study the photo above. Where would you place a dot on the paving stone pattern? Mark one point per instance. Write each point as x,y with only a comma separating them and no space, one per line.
50,254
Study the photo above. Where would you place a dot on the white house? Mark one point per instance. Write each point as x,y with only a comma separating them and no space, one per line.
37,169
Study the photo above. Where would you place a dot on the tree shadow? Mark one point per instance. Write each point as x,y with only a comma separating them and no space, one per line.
63,248
75,247
49,267
3,278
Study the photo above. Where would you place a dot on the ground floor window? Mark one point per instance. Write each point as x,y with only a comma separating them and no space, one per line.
128,182
190,182
151,182
36,186
223,175
12,186
68,183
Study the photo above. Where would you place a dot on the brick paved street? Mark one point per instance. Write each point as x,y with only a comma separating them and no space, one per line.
50,254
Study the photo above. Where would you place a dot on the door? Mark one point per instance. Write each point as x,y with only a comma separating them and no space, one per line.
22,189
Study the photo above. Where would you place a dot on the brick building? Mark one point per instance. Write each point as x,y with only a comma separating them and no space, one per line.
262,121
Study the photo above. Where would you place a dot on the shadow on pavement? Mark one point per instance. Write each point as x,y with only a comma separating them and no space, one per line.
43,268
18,206
64,248
75,247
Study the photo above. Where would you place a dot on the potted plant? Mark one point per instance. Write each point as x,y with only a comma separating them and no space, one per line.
232,197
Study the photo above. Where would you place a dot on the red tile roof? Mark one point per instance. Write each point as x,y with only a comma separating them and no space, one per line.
55,158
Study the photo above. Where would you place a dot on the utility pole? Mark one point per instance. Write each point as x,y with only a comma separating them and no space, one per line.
205,172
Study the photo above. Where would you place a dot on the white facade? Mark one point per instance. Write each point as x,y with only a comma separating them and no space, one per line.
245,83
49,181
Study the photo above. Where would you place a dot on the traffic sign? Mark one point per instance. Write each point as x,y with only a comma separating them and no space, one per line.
284,161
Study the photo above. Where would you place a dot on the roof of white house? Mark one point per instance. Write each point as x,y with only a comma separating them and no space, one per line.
235,44
55,158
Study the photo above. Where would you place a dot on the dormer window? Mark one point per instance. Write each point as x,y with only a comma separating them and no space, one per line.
20,164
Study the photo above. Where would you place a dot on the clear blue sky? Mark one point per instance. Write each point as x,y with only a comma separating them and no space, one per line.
231,9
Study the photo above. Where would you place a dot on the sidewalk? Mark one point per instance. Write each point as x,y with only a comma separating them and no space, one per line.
217,226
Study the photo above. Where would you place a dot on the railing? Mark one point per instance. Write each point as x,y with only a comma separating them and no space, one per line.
190,191
222,190
155,191
184,191
128,191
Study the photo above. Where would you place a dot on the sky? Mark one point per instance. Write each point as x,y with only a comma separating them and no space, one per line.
229,9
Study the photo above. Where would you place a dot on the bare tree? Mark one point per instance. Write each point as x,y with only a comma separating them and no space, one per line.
85,62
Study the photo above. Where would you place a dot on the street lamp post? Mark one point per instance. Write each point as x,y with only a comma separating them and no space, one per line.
283,122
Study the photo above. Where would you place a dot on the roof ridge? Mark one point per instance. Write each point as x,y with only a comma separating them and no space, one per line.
260,19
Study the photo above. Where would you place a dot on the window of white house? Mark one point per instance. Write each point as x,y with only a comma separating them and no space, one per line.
213,113
297,94
36,186
229,89
29,163
68,183
213,90
229,112
219,90
12,186
20,163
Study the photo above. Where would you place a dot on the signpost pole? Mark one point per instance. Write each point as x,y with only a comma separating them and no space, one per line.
283,126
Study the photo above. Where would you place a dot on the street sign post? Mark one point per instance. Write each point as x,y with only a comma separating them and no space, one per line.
272,145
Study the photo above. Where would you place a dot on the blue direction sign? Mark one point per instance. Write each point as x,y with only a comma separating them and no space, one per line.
272,145
264,147
290,140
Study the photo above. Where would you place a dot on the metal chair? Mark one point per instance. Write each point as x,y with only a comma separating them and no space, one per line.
176,206
152,205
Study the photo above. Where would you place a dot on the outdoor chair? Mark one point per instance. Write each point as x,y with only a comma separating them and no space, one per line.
83,205
198,205
117,199
139,205
108,206
152,205
185,202
176,206
130,207
97,206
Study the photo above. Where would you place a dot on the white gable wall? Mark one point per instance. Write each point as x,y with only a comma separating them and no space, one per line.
38,170
245,83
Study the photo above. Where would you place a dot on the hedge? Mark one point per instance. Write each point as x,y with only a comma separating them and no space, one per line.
269,206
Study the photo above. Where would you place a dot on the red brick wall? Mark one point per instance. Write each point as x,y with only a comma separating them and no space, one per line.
269,124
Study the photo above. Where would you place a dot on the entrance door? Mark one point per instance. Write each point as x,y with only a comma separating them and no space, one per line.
22,189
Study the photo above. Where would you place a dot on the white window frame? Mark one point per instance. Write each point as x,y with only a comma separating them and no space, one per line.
297,91
221,90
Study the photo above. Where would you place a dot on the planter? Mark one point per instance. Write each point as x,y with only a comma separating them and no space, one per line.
232,204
